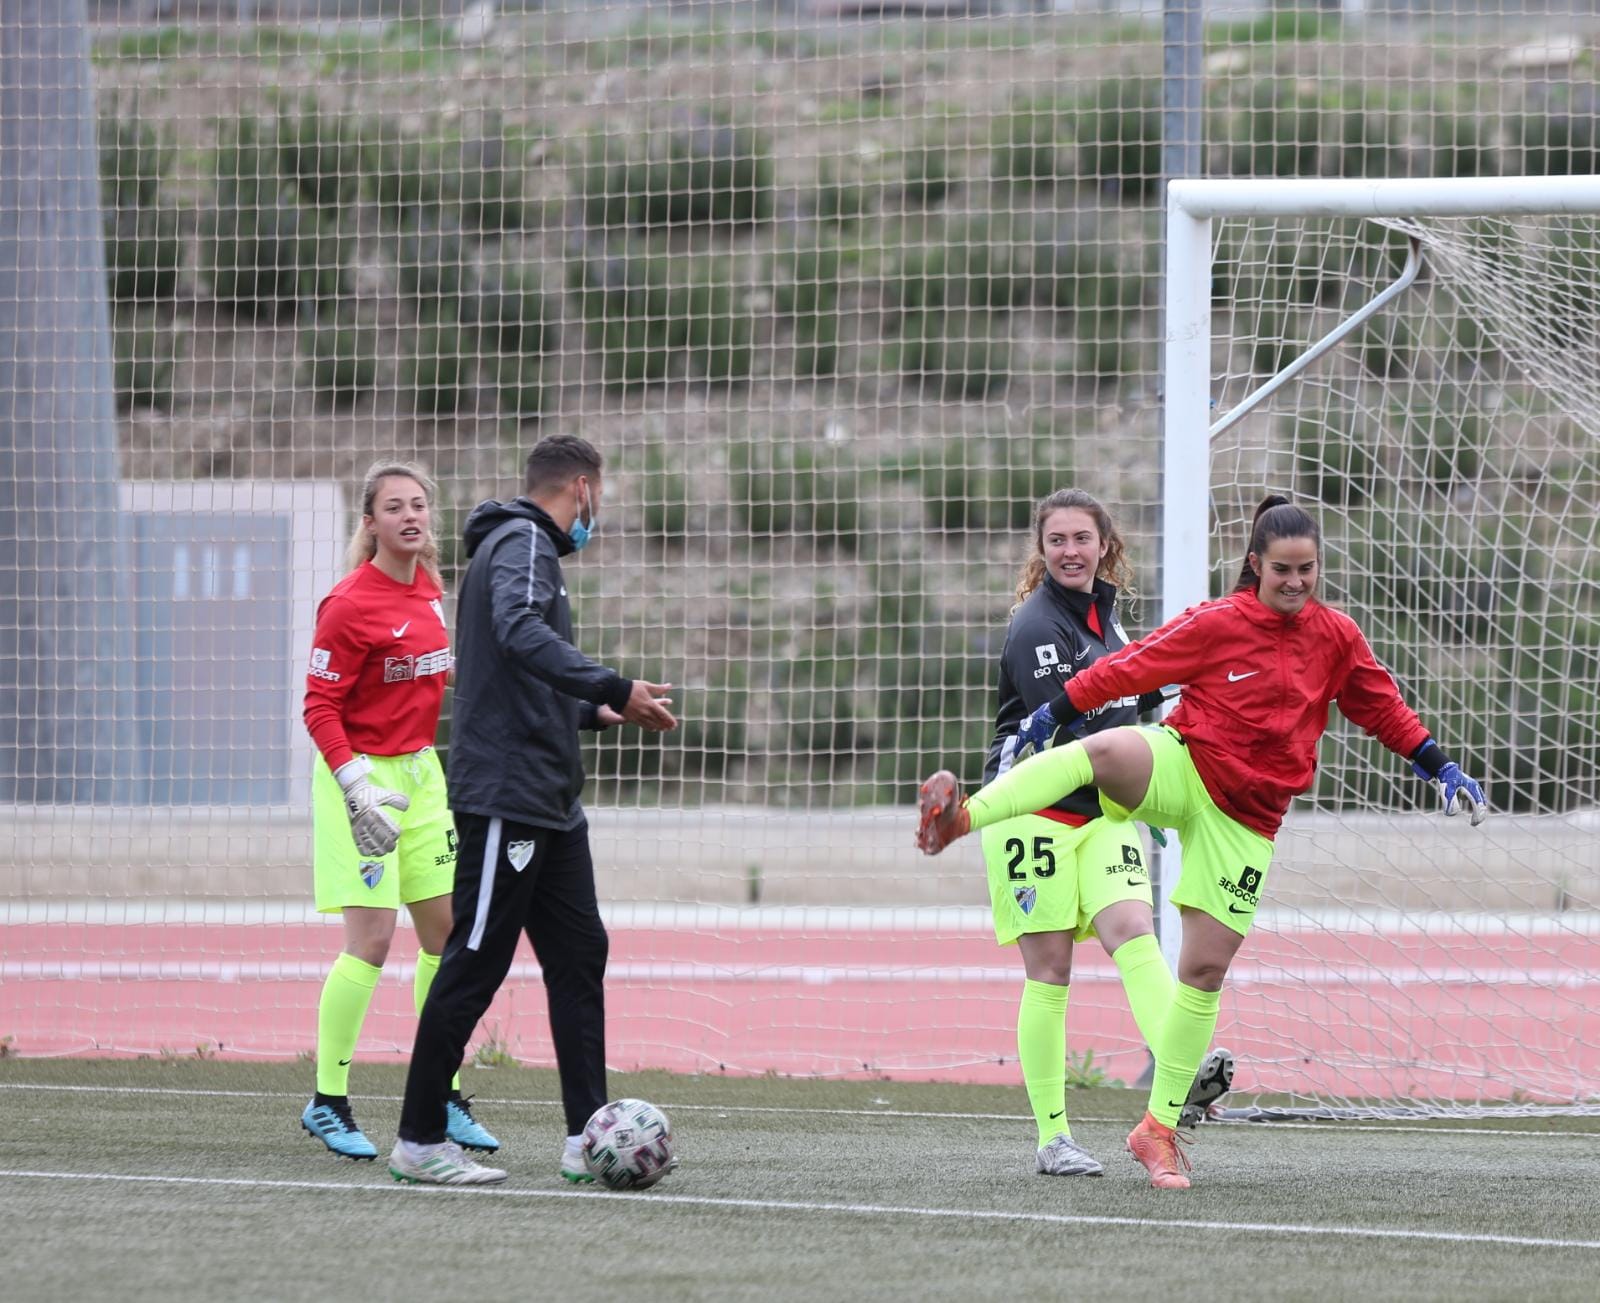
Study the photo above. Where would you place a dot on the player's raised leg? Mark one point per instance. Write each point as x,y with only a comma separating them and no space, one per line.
943,816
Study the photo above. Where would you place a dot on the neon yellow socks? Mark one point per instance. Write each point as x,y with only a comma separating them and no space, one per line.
1184,1037
1148,982
1042,1051
1037,782
340,1013
421,983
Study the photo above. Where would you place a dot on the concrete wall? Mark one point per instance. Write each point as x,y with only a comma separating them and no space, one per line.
735,855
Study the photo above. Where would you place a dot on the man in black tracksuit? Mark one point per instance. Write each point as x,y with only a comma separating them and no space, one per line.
515,773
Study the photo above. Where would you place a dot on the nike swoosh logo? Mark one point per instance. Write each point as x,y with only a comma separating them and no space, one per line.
1137,882
1234,678
1172,1103
1054,1116
344,1063
1081,654
1234,909
401,631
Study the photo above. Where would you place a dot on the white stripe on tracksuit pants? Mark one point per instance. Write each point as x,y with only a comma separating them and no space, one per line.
513,878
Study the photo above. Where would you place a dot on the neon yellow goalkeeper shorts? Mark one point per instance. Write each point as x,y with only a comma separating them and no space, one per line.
421,866
1046,876
1224,863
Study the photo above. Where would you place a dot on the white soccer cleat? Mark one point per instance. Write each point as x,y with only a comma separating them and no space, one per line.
1211,1083
1064,1156
442,1164
574,1166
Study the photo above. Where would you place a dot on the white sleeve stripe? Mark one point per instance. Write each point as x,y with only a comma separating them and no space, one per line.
1153,640
533,556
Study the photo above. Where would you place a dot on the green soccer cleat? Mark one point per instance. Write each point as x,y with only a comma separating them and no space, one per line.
442,1164
574,1167
465,1129
328,1118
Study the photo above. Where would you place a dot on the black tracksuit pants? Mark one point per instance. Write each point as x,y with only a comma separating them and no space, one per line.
513,878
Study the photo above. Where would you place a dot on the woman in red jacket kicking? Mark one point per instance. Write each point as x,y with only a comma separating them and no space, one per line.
1259,669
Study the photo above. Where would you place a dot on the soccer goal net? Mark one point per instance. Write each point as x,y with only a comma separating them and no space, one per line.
1449,442
840,293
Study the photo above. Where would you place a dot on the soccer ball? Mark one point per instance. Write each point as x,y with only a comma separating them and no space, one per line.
627,1144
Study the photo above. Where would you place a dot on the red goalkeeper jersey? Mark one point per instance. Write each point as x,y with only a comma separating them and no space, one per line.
1256,691
379,659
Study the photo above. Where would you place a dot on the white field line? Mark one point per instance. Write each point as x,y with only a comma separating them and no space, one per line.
663,1199
1434,1129
1324,975
669,916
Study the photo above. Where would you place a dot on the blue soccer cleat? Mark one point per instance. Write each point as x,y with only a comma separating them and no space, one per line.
329,1119
465,1129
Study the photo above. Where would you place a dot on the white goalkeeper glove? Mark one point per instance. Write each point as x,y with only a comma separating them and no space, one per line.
375,832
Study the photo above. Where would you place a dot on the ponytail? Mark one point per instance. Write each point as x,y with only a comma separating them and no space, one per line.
1275,518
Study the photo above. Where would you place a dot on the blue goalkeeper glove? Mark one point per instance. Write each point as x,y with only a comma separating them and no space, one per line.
1458,791
1038,728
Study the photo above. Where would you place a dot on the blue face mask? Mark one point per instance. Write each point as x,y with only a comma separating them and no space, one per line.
581,533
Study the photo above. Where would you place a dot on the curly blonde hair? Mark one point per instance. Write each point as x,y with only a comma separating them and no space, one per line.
363,546
1114,567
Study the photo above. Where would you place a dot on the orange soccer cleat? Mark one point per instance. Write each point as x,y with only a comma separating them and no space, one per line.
1159,1148
942,814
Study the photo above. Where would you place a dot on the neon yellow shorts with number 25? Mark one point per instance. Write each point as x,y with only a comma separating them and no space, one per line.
1046,876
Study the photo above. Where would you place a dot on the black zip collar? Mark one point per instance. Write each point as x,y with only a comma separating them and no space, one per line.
1103,597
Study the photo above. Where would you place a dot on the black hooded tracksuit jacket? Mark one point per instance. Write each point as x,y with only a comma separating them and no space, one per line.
522,689
1054,634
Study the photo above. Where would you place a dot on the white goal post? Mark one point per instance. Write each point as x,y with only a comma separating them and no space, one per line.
1192,206
1494,347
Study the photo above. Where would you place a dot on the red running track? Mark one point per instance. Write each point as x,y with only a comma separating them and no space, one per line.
1313,1012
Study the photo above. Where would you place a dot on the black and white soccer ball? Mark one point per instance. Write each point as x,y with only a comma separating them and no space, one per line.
627,1144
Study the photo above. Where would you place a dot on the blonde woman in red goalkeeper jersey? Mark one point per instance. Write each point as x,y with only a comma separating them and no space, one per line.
382,831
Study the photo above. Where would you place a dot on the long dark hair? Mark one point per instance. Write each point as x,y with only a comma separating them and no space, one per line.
1275,518
1114,566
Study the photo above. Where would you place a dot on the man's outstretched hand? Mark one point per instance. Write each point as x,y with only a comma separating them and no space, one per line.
647,707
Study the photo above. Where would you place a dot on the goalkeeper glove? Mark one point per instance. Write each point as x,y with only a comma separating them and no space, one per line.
1457,790
1038,728
375,832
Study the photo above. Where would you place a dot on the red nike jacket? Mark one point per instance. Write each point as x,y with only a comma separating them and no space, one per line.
1256,690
